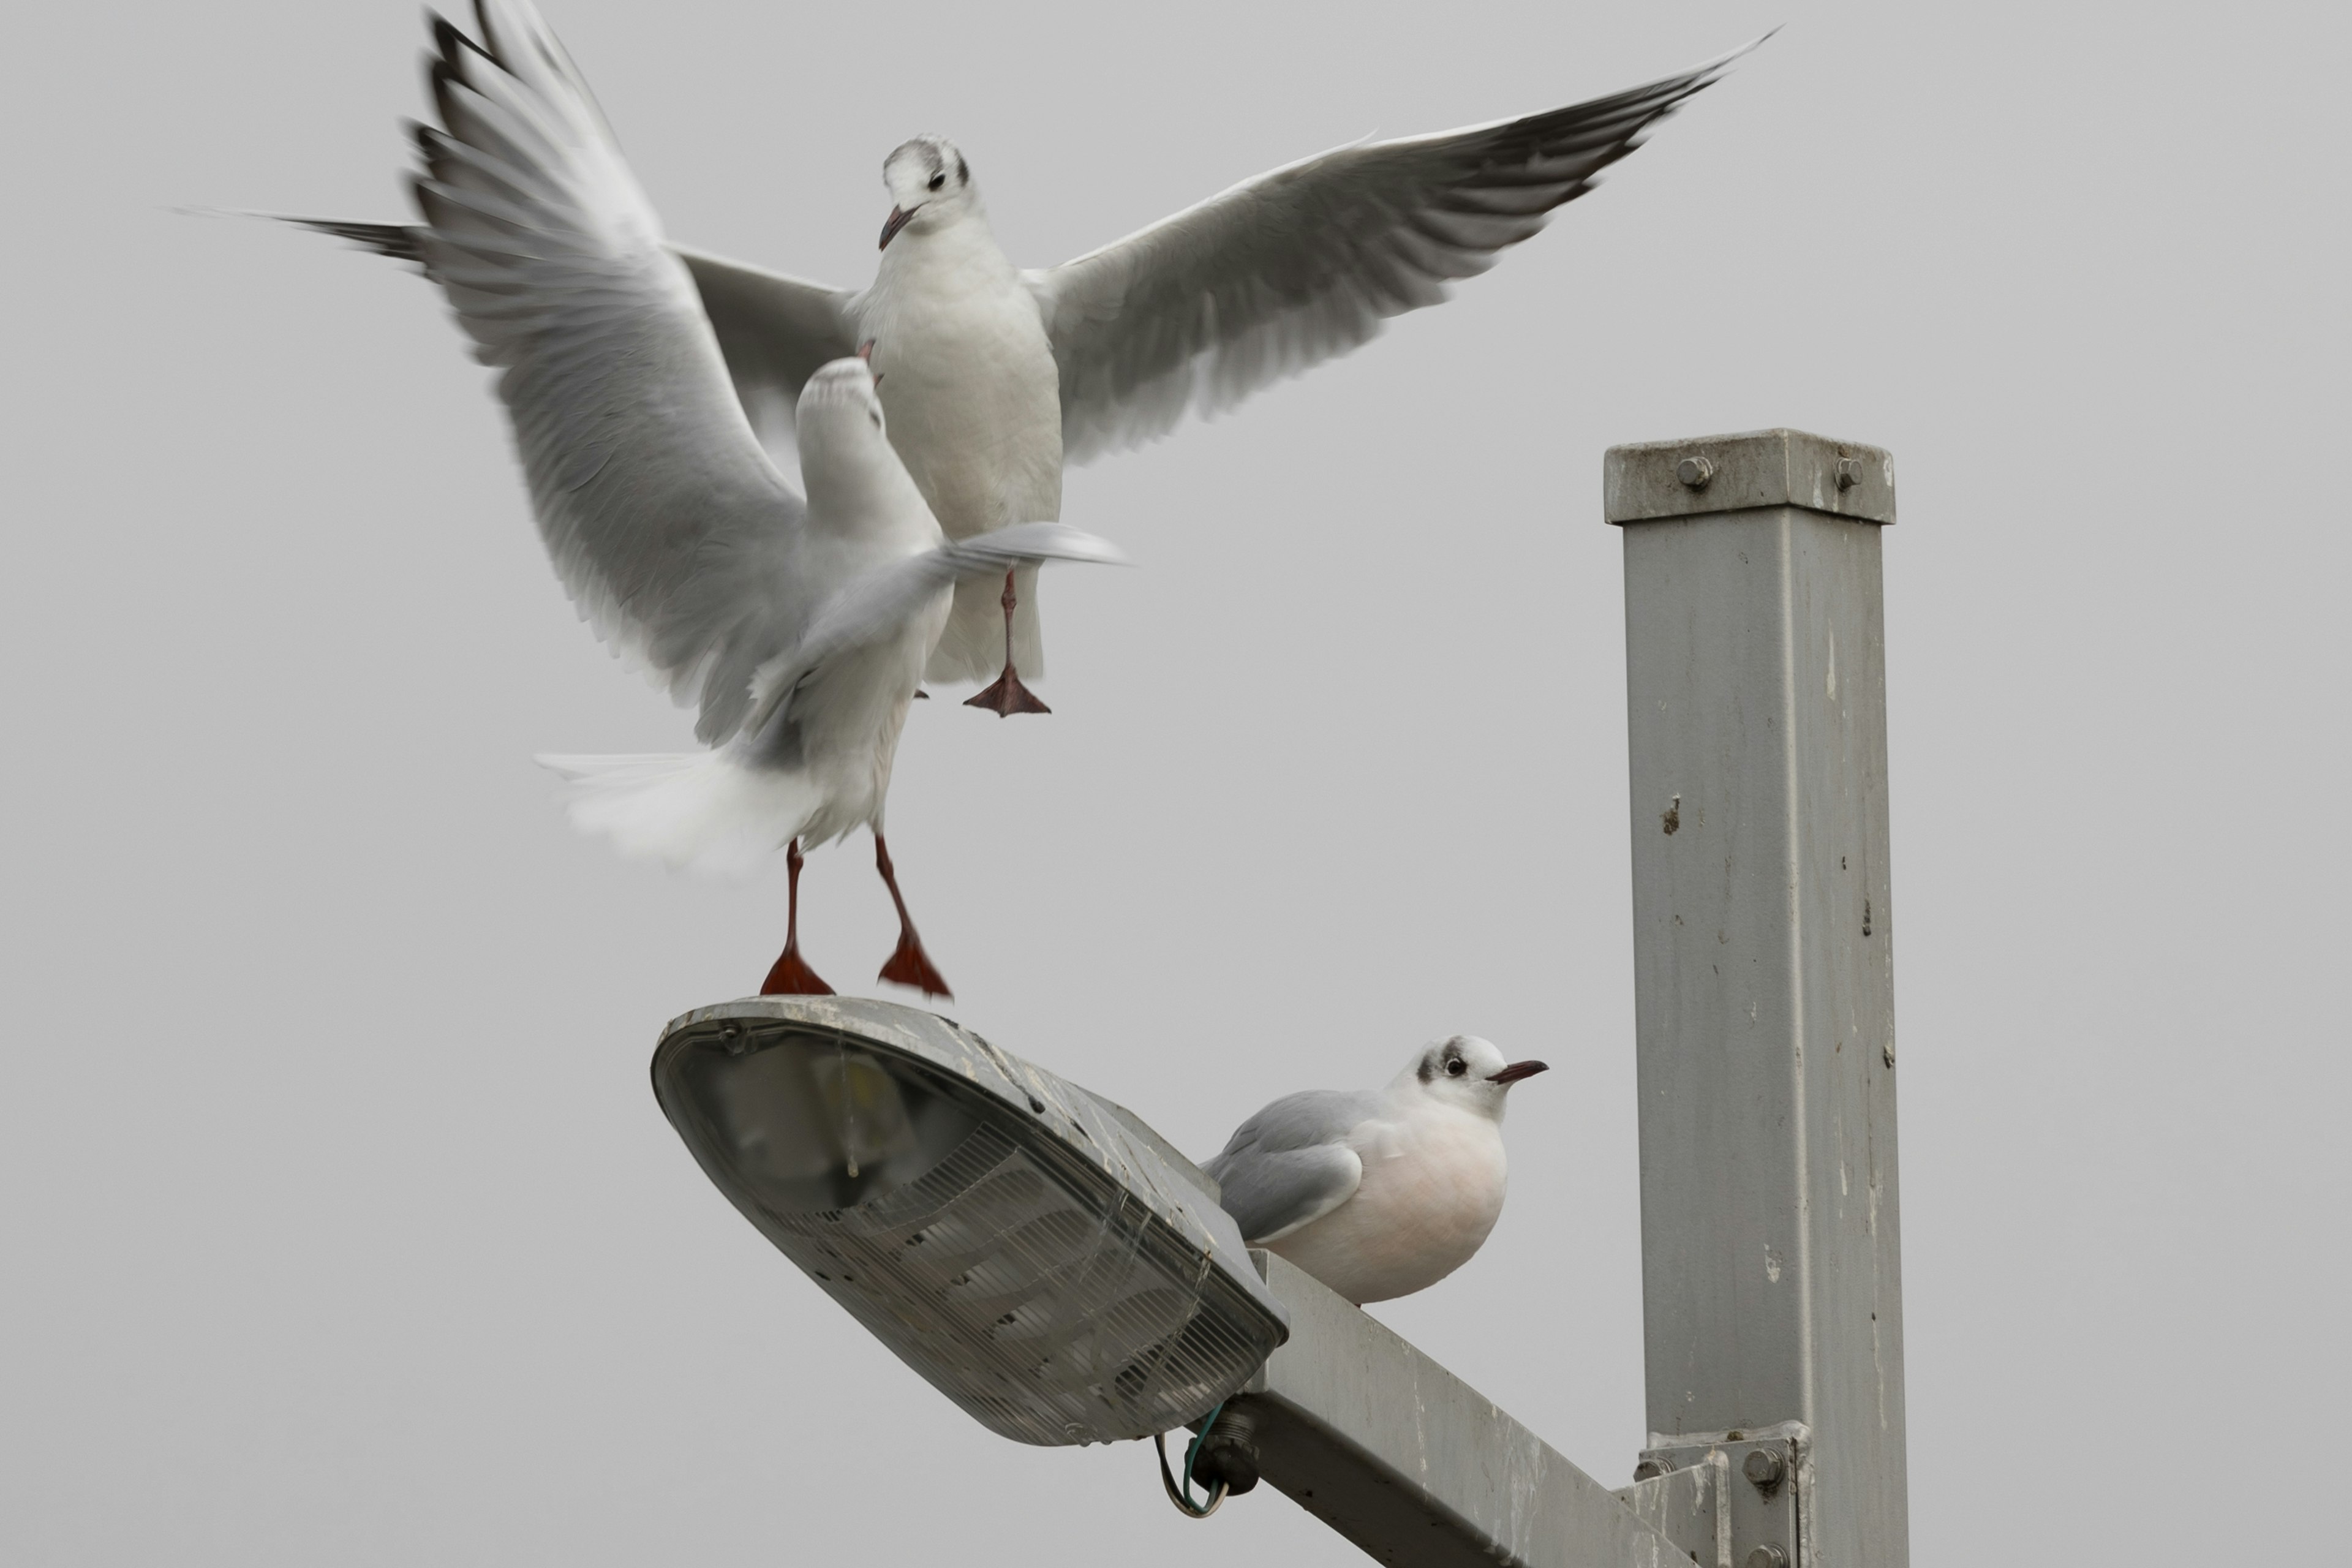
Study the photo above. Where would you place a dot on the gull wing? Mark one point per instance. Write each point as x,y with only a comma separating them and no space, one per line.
1303,264
665,520
775,330
1291,1165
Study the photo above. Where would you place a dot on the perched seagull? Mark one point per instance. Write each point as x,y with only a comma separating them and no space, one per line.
1377,1192
993,376
801,628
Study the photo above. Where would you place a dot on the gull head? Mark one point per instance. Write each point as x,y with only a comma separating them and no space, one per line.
930,184
1467,1073
839,421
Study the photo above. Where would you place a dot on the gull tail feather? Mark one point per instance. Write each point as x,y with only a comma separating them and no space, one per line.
704,811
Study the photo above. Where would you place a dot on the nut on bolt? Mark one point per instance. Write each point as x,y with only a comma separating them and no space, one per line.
1849,472
1767,1556
1764,1467
1649,1467
1695,472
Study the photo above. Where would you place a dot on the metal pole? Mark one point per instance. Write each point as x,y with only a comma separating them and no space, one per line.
1763,957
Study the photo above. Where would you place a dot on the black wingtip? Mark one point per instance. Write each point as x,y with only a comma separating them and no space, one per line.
398,242
1714,67
444,61
450,39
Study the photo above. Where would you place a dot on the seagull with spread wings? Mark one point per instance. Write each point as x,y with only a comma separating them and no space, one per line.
994,377
800,628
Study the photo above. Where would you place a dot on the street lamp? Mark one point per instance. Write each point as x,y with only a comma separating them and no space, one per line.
1056,1269
1038,1254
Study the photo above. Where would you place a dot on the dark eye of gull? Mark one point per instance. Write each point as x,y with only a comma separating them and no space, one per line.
937,179
1455,1067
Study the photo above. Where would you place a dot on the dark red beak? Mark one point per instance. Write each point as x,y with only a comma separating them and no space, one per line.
898,220
1518,1070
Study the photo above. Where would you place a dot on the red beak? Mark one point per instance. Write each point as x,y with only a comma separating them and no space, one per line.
898,220
1518,1070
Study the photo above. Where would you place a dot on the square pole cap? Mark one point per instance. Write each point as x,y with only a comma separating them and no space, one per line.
1653,479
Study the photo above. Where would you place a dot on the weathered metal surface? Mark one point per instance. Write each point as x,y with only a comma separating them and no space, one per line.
1760,1483
1415,1466
1763,955
1685,1500
1739,473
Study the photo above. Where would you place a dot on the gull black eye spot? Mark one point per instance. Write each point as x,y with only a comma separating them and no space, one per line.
939,180
1455,1067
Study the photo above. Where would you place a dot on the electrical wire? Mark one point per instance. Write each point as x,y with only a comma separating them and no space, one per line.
1183,1496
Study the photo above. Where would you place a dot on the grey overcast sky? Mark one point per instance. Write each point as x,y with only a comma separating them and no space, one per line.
340,1226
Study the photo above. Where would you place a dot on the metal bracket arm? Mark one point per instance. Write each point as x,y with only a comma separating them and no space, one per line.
1415,1466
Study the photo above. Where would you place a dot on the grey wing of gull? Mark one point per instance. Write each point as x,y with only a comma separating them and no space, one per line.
668,525
1289,1165
773,330
1304,263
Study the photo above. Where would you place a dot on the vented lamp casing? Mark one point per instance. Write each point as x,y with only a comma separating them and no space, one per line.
1039,1254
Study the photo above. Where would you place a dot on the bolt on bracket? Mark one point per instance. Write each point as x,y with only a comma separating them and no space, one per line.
1730,1500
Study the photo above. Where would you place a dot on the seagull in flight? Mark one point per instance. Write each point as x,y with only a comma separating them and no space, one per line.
994,376
800,628
1377,1192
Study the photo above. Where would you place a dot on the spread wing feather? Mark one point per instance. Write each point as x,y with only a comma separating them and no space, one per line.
665,520
1304,263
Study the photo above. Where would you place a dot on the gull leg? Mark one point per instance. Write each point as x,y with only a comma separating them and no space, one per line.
1008,696
911,965
791,977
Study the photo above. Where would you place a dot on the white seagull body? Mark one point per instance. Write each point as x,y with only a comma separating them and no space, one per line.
800,628
1379,1193
994,376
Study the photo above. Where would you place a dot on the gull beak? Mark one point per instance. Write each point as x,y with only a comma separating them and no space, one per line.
898,220
1518,1070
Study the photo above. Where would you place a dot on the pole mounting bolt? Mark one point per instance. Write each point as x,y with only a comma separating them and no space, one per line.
1849,472
1767,1556
1764,1468
1649,1467
1695,473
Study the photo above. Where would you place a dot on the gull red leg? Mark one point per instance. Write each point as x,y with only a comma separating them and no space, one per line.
911,965
1008,696
791,977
